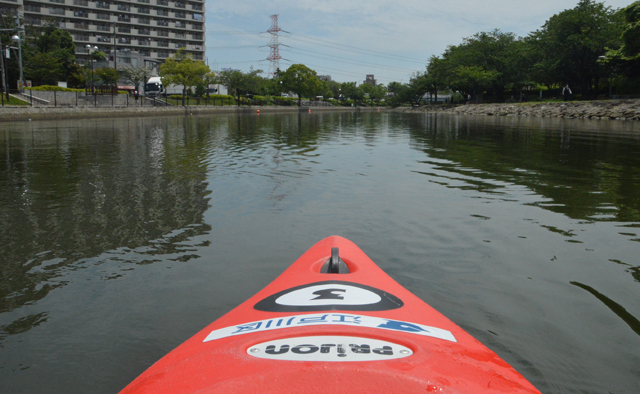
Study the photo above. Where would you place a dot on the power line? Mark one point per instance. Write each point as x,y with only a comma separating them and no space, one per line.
349,48
342,72
347,60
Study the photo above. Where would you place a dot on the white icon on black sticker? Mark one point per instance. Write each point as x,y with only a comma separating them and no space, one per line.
330,295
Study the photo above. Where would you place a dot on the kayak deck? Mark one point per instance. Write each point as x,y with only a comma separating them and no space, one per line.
333,322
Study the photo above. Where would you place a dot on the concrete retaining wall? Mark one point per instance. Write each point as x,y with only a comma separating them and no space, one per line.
80,98
45,113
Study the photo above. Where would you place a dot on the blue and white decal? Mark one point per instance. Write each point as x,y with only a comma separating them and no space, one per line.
330,295
336,319
333,348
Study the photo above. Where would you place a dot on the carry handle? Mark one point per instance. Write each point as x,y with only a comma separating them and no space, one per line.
335,265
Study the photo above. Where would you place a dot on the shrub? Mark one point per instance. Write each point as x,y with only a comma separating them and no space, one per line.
52,88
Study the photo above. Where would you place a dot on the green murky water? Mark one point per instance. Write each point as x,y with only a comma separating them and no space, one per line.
121,238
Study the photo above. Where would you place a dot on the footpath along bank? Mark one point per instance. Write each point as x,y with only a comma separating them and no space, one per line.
609,109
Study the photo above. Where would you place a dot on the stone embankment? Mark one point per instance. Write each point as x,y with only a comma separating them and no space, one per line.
609,109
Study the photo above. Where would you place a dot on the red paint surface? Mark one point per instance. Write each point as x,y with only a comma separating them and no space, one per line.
437,365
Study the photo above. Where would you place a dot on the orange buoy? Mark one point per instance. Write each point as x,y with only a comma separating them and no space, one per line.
258,111
309,110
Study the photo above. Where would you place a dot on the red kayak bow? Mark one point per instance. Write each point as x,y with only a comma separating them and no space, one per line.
333,322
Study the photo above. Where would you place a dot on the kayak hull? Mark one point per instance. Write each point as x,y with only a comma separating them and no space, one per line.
356,332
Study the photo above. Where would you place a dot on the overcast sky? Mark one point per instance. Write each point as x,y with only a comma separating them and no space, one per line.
348,39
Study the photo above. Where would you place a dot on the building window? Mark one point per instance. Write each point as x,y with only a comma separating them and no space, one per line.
124,40
197,17
181,25
180,4
145,21
144,41
124,18
102,4
197,36
197,26
81,37
163,33
161,22
33,20
102,16
56,11
81,25
180,34
197,7
145,52
82,3
32,7
103,38
81,14
163,43
144,10
143,1
163,2
124,7
57,1
162,12
102,27
180,14
124,29
144,31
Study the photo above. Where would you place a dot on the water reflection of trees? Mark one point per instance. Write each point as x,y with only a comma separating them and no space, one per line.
72,191
588,169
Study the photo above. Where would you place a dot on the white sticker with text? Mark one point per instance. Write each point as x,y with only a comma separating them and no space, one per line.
337,319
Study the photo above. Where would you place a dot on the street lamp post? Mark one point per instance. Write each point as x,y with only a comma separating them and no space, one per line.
602,59
18,38
4,73
91,49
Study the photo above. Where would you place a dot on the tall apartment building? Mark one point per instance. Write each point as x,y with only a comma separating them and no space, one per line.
154,28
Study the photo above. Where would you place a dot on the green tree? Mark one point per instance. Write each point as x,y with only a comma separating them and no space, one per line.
569,44
301,80
108,76
43,69
436,76
239,83
48,53
351,91
627,56
497,52
181,69
472,79
136,75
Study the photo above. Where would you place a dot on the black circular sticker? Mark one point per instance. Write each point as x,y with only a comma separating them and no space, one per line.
330,295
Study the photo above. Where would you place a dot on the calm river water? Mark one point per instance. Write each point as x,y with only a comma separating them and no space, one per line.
121,238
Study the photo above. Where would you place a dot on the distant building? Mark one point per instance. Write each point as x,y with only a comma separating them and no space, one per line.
326,78
370,80
156,29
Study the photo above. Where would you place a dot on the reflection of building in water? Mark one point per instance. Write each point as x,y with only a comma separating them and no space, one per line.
70,194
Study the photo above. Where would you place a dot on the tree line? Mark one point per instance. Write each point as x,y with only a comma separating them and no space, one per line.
586,47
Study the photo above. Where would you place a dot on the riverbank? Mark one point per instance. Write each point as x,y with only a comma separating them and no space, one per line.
609,109
12,114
